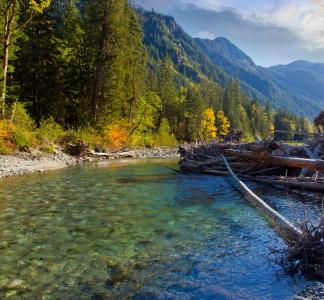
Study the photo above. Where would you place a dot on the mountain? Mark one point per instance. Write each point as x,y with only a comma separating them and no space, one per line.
297,87
303,76
163,36
221,50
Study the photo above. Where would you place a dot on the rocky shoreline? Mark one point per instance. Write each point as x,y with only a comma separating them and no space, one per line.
26,163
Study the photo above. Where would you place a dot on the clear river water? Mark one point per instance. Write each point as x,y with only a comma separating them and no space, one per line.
137,230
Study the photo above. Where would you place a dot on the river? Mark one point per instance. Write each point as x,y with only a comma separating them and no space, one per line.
137,230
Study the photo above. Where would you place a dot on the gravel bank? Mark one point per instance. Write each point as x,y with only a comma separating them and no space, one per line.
25,163
156,153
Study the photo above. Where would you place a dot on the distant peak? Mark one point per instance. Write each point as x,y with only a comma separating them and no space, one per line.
223,39
223,47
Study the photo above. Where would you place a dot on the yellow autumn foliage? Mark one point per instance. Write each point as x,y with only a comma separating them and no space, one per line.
222,123
208,127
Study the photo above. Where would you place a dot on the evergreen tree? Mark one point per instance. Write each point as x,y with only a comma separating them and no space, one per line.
222,123
47,68
193,108
168,93
108,88
10,12
232,103
137,66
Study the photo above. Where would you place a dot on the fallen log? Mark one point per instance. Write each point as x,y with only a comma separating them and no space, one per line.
307,186
260,147
293,162
287,230
287,183
313,155
128,154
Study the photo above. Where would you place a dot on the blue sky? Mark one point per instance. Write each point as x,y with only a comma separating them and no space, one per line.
271,32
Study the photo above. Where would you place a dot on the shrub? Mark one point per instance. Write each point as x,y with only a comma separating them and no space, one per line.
50,131
22,119
48,148
24,135
23,139
5,147
89,136
164,137
7,131
116,135
141,140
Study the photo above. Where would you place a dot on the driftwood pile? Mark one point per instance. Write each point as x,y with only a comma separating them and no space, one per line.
296,167
304,255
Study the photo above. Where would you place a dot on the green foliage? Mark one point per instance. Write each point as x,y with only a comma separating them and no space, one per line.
23,139
164,136
50,131
135,76
165,38
88,135
4,148
145,120
139,140
48,148
222,123
21,118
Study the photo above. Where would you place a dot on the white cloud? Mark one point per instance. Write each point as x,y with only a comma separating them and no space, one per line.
305,18
206,35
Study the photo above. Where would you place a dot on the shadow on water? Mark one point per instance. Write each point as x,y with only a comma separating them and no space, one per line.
135,230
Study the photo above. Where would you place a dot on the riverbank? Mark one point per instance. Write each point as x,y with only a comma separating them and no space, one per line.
26,163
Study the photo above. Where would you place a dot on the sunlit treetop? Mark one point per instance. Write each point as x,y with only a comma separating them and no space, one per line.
39,5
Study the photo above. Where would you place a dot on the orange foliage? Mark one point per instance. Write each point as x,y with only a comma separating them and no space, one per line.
7,131
117,135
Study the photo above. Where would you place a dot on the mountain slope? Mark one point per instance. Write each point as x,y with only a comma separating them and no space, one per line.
163,36
304,76
222,51
298,87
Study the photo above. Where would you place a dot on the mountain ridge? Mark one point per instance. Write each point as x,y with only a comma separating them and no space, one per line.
297,87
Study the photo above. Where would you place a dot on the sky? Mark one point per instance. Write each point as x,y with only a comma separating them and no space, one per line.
271,32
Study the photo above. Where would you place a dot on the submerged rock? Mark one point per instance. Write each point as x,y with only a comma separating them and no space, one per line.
147,295
313,292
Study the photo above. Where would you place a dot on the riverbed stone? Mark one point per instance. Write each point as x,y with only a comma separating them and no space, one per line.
313,292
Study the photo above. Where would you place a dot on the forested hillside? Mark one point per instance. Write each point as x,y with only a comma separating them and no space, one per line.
297,87
113,76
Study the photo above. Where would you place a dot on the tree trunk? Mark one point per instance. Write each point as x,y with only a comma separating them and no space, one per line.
293,162
4,75
284,227
9,16
99,76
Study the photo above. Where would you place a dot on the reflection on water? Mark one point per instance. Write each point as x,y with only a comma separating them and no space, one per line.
134,230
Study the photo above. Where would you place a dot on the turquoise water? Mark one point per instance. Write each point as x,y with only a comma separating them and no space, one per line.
135,230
